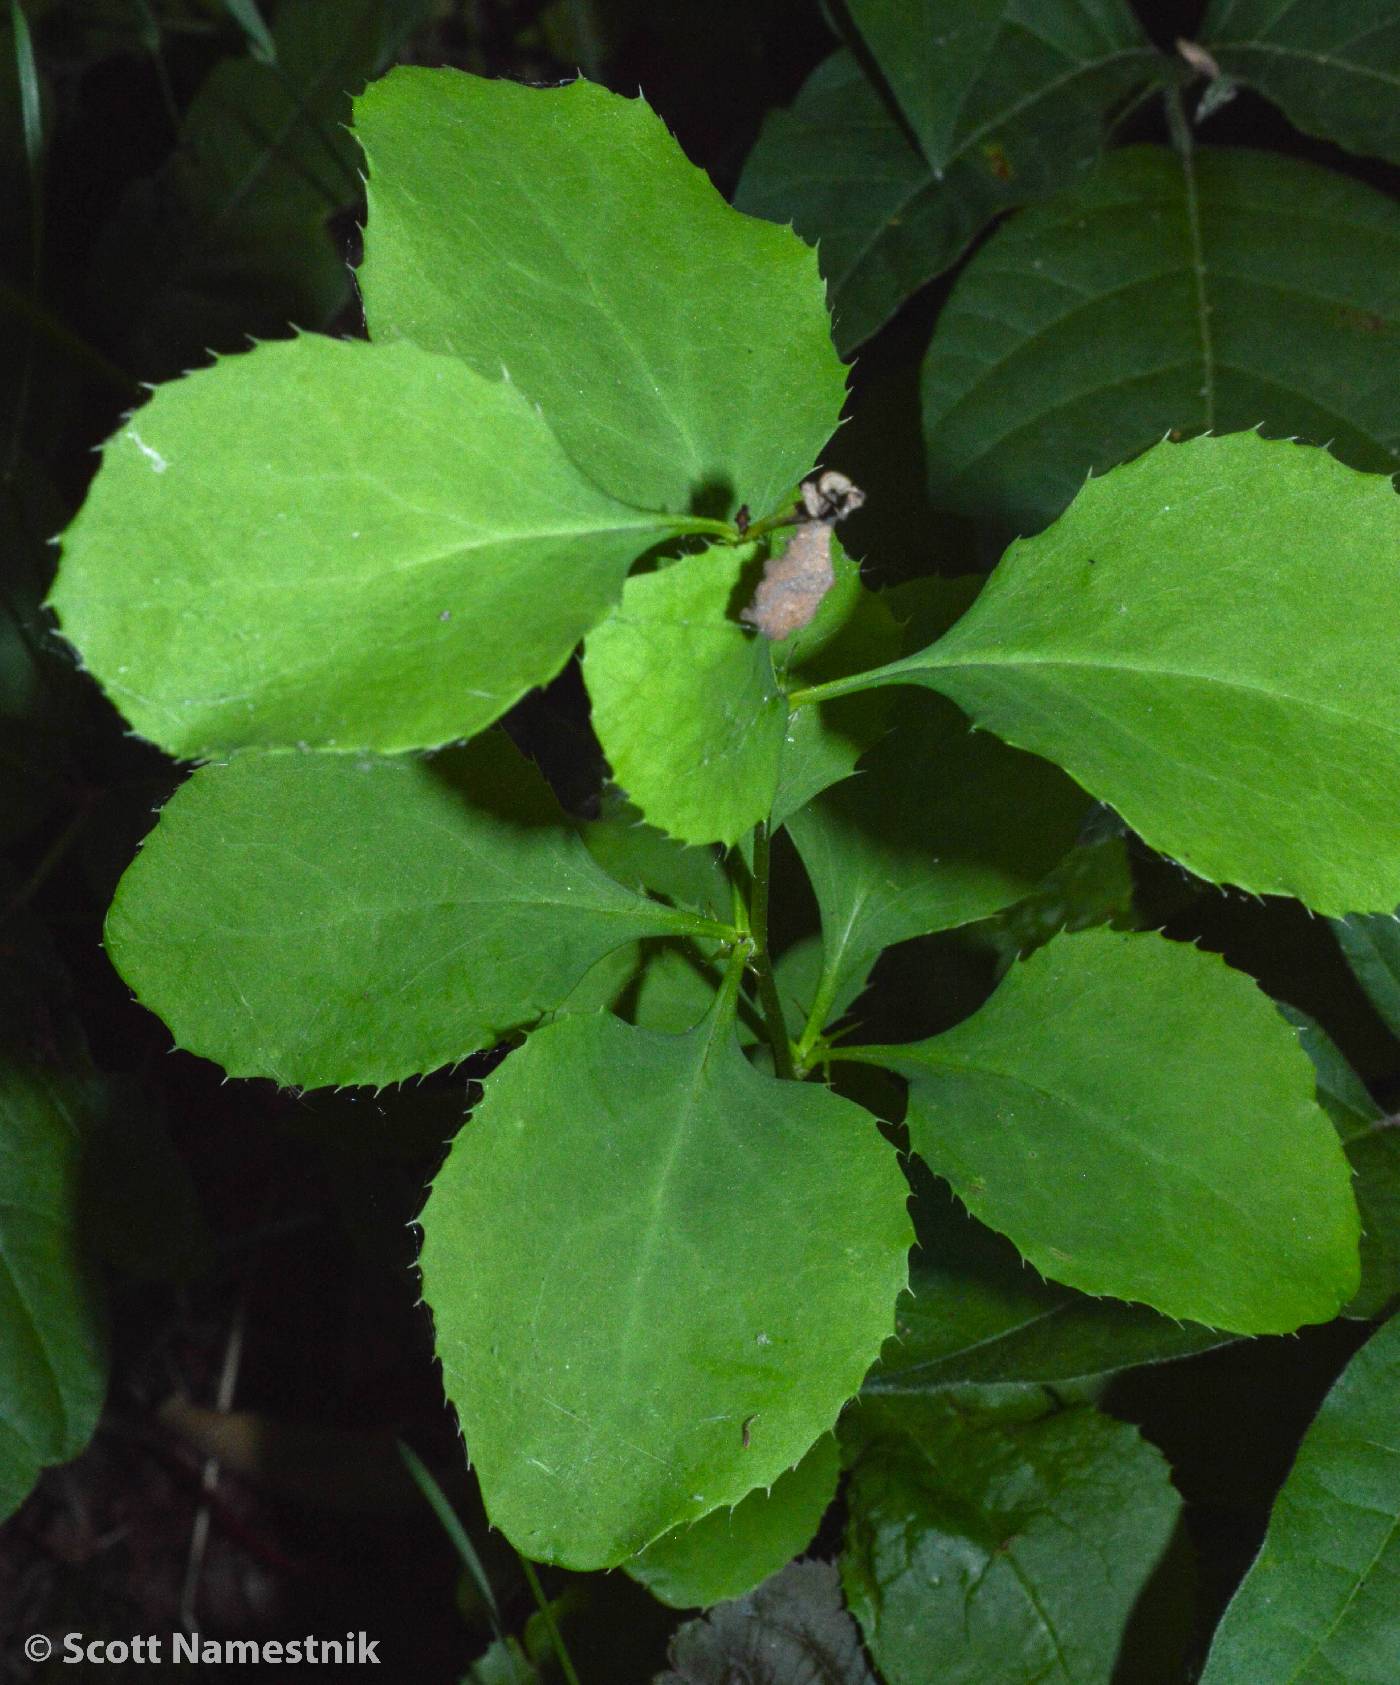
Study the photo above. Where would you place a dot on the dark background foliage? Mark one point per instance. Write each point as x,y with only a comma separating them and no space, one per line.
256,1245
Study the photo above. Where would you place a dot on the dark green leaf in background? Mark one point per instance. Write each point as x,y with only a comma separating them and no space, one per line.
997,1549
1334,68
1371,944
231,237
1238,290
730,1552
975,1315
987,107
53,1363
330,919
1319,1604
506,223
339,545
1140,1122
943,825
656,1275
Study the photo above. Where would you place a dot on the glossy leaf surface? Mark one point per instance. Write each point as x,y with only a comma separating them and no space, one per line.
998,1549
1334,69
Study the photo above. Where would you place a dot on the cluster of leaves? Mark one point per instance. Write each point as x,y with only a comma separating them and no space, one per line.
668,1256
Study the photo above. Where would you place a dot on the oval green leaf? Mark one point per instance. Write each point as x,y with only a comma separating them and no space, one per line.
680,350
339,545
327,919
656,1276
1205,641
1140,1121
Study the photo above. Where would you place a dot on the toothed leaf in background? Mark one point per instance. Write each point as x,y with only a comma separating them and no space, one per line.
1204,641
732,1551
326,919
1335,70
705,1266
1319,1602
233,235
430,551
700,371
942,826
1257,290
1008,104
981,1549
1140,1122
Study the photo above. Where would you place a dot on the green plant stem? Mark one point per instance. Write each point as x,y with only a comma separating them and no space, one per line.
776,522
705,524
556,1638
816,1019
833,688
759,960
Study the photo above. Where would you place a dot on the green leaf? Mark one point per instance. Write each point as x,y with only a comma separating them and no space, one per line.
685,700
1319,1603
1203,641
327,919
944,825
1374,1156
1372,1143
1237,290
982,1550
642,858
732,1551
656,1276
1372,948
1140,1122
674,650
1021,80
792,1631
231,237
1334,69
1340,1091
507,222
336,544
1009,108
976,1316
53,1362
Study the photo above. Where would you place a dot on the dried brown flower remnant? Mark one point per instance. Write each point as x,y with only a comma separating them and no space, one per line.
795,581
